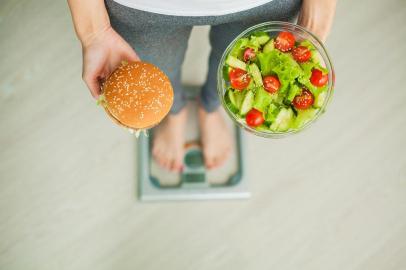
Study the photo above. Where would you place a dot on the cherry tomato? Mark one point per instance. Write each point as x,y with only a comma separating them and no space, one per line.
301,54
285,41
249,54
254,118
239,79
271,84
304,100
318,78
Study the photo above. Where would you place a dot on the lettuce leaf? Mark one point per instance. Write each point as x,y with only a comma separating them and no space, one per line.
260,34
272,112
239,47
294,89
254,41
265,62
281,64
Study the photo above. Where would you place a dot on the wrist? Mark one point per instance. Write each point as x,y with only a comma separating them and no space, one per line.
90,19
88,37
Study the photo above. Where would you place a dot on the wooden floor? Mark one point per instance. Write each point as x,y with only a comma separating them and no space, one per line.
331,198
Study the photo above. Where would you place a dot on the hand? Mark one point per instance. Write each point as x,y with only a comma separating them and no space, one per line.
317,16
102,54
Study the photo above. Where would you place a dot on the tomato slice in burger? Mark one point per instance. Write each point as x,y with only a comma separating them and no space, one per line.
239,79
285,41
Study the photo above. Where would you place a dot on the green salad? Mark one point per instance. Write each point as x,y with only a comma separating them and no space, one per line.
274,84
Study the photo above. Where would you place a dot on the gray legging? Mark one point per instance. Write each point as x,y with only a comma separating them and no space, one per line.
162,39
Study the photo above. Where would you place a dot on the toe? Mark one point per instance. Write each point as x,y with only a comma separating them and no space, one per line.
158,158
165,163
209,161
177,164
174,166
162,162
159,155
217,162
171,166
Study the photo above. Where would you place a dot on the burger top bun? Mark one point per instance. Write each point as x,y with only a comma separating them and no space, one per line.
137,95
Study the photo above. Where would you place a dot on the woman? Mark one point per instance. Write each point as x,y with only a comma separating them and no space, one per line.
157,31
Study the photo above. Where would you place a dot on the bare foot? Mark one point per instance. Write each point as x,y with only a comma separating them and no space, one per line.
169,141
216,138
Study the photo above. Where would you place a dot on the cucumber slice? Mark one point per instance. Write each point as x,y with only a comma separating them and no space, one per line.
246,105
303,117
256,74
262,128
232,98
236,63
231,105
239,98
283,120
320,98
269,46
263,39
226,70
260,37
251,86
262,99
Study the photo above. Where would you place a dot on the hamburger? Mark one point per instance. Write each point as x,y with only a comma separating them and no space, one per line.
137,95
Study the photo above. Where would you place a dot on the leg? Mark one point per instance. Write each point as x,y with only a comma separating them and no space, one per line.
216,138
215,135
163,45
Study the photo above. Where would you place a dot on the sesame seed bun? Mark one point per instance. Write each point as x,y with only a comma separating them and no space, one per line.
137,95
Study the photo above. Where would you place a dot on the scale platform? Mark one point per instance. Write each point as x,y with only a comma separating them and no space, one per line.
195,182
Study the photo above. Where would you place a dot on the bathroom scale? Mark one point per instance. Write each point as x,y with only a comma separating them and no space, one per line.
195,182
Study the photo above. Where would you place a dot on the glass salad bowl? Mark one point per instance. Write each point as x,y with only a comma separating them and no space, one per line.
300,88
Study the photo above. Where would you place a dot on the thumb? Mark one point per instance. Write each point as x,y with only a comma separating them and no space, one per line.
130,55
